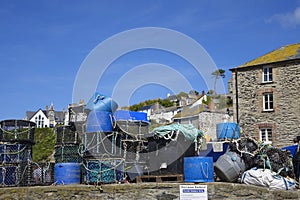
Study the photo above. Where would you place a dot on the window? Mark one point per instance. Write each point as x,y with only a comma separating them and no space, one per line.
267,74
268,102
265,135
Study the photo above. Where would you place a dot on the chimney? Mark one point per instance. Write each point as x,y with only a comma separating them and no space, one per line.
47,109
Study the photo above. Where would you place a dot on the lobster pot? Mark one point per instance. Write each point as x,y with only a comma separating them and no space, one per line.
134,151
228,130
66,135
104,171
77,113
15,153
42,173
99,144
67,173
9,175
68,153
229,166
99,121
137,129
21,131
15,175
198,169
77,117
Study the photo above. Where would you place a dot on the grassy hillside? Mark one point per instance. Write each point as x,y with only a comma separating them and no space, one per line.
44,144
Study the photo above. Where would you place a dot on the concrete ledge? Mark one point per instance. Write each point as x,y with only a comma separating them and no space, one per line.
161,191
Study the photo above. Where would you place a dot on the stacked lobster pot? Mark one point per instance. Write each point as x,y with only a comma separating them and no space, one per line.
103,160
133,126
68,156
16,140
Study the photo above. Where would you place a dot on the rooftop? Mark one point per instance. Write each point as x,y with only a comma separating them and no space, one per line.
285,53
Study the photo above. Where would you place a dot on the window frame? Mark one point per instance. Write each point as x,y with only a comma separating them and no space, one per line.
268,101
268,74
266,132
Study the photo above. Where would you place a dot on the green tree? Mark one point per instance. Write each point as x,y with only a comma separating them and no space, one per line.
44,144
220,73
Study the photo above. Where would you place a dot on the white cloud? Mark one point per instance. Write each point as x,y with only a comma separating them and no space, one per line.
287,20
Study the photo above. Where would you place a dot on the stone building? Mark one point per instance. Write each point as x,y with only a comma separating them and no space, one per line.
266,96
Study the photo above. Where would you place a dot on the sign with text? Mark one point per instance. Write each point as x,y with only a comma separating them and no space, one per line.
193,192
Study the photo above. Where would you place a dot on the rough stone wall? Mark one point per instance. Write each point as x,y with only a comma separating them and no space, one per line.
144,191
208,122
285,118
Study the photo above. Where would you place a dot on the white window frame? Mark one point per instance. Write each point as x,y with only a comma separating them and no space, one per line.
267,75
267,100
266,135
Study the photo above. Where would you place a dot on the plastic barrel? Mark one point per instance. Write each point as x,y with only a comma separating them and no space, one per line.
198,169
229,166
228,130
130,115
99,121
67,173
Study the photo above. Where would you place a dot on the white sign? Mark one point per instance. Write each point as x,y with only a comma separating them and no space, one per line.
193,192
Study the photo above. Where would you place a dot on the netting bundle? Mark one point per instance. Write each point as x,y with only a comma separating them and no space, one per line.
277,160
247,148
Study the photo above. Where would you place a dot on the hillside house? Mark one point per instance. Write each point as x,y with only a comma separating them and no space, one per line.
203,117
46,118
266,96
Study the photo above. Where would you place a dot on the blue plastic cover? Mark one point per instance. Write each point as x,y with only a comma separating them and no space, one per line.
101,102
130,115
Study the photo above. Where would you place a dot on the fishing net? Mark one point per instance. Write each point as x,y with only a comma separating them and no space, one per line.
277,160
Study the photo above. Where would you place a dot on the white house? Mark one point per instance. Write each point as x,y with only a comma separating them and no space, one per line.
46,118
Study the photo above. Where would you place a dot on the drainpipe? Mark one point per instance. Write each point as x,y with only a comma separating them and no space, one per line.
236,97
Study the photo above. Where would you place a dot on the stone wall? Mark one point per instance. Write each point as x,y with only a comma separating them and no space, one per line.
144,191
285,118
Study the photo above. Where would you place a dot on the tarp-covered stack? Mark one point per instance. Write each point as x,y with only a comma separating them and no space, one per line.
169,144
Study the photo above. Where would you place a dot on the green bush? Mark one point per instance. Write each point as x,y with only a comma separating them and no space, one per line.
44,144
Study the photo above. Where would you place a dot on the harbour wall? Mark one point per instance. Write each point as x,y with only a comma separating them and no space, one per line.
143,191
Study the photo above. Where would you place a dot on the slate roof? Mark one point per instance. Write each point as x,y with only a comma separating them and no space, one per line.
284,53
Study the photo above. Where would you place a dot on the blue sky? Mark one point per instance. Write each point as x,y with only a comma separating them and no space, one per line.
44,43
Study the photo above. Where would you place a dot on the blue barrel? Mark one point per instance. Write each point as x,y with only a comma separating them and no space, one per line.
130,115
228,130
99,121
198,169
67,173
101,102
